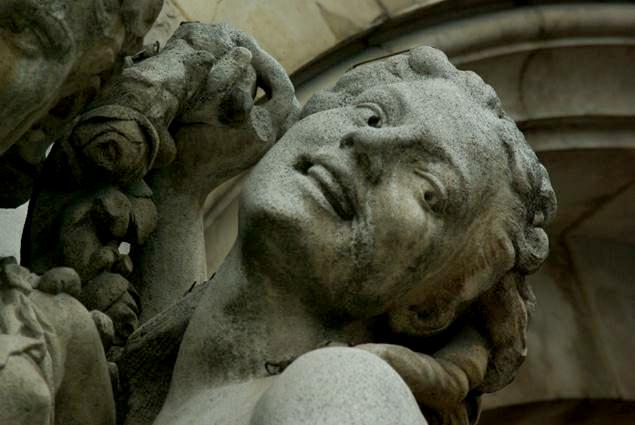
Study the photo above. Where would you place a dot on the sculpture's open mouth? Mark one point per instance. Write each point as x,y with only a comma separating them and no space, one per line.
330,185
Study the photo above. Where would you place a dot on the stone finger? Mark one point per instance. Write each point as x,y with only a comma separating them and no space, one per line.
105,327
103,291
236,106
125,321
103,259
123,265
275,82
112,210
227,71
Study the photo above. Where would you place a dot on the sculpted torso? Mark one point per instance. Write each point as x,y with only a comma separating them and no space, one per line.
384,236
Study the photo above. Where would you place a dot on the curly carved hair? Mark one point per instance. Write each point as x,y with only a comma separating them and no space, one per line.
504,299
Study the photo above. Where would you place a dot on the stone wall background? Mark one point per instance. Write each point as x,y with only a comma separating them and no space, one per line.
564,70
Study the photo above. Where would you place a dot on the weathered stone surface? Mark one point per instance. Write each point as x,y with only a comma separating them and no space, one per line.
52,364
206,129
146,364
400,215
55,56
166,24
365,391
588,156
351,229
69,227
48,79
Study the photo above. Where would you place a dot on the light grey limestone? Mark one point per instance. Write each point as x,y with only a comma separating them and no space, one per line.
400,215
365,390
579,58
379,273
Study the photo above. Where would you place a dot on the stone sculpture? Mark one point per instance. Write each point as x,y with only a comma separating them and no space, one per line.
379,272
399,216
53,368
186,119
55,56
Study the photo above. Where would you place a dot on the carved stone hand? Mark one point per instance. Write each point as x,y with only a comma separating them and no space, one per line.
221,132
92,230
441,383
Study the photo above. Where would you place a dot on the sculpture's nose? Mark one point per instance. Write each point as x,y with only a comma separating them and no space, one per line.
368,151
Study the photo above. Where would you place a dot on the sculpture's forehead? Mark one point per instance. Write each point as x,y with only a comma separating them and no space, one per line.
430,96
437,110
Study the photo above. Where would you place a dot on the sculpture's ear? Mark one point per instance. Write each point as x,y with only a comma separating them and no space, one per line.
138,17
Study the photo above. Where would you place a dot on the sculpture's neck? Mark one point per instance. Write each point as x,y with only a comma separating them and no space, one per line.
280,325
245,327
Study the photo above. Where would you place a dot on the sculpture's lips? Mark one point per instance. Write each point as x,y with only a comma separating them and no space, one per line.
332,188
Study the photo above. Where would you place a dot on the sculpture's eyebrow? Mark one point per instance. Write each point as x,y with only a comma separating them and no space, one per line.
433,149
387,96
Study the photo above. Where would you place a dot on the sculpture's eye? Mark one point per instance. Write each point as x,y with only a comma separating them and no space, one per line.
431,198
373,115
433,192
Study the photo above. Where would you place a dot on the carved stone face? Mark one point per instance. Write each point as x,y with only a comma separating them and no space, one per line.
357,206
50,50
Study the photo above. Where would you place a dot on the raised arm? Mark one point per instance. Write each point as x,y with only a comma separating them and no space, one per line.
219,132
167,131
